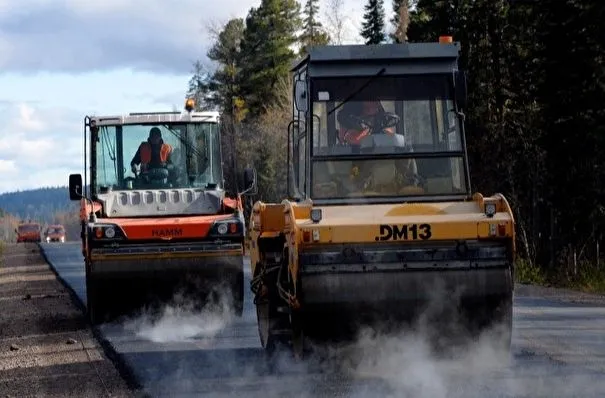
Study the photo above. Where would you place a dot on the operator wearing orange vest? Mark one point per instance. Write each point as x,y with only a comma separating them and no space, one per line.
352,131
153,153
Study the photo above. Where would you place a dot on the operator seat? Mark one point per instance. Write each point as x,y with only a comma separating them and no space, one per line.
382,172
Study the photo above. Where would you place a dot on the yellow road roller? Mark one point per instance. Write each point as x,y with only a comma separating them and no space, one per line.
380,224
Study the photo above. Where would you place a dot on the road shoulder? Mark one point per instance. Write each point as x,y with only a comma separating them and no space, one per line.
46,347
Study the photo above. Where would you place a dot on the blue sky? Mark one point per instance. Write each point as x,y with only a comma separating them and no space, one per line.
63,59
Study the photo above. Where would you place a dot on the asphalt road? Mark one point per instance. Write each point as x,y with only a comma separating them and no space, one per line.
558,351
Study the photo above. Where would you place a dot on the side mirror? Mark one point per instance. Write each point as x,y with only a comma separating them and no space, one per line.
75,187
460,87
250,183
300,96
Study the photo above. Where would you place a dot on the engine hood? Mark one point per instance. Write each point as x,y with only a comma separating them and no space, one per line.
160,202
412,221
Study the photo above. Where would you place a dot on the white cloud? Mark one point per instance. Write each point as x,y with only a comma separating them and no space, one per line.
145,35
39,146
7,166
77,36
62,60
27,121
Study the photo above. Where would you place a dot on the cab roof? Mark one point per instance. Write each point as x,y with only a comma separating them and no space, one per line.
157,117
362,60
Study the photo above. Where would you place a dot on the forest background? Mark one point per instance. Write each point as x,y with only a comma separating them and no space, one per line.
535,121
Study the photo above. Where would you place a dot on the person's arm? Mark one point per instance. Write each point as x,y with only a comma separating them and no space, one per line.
169,155
136,159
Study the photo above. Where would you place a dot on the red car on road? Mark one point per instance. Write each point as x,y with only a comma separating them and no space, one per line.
55,233
28,232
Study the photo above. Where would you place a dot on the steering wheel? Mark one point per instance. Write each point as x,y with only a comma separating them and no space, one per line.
377,124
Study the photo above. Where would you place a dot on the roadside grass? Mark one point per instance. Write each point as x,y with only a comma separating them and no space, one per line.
587,277
528,273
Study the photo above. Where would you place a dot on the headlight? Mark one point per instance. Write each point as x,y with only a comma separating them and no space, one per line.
110,232
231,227
490,209
106,231
222,229
316,215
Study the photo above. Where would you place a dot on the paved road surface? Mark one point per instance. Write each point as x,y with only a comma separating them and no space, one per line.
558,351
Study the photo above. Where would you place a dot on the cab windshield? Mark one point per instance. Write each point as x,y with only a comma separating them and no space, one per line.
386,137
173,155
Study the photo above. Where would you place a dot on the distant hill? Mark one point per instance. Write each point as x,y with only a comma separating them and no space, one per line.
40,204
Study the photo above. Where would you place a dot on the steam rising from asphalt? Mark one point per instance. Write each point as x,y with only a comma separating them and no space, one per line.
407,365
418,360
433,357
181,320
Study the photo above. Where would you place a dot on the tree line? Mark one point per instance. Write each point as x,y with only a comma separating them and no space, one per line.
46,206
535,119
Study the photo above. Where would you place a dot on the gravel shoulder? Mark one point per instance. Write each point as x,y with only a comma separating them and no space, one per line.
46,347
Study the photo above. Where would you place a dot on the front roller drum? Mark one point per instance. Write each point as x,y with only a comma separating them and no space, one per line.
111,298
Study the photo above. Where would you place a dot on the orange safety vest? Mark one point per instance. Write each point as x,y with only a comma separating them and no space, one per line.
353,137
165,150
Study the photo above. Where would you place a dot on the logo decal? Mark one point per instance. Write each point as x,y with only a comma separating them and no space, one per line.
166,233
404,232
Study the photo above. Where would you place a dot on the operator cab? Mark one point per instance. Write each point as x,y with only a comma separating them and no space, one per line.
156,151
379,124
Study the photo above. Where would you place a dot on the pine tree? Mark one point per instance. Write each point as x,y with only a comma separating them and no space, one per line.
200,88
269,34
226,51
373,22
313,31
400,20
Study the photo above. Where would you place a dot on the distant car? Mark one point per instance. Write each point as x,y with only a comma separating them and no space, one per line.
28,232
55,233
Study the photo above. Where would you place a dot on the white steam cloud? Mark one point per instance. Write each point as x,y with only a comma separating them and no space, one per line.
180,320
